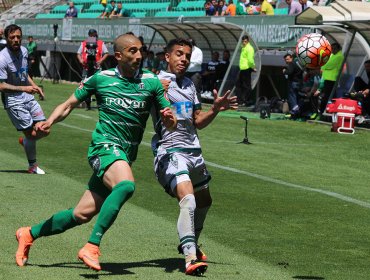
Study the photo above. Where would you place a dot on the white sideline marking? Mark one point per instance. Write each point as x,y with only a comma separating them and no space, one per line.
263,178
83,116
75,127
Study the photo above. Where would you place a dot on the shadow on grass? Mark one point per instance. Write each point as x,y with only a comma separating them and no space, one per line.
308,277
14,171
109,269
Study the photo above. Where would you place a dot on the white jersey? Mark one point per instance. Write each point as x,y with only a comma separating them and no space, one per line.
184,102
14,71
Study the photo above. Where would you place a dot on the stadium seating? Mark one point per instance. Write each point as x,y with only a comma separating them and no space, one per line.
50,16
190,5
95,8
88,15
180,13
281,11
63,8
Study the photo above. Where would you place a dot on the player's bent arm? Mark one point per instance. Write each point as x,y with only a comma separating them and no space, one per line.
63,110
203,119
5,87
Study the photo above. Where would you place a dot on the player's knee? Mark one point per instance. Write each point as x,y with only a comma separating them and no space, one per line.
125,188
203,198
83,217
188,202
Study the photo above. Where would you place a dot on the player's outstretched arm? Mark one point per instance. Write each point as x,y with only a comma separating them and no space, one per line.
59,114
220,103
168,118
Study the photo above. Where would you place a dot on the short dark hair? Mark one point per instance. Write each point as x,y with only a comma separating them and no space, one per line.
367,62
245,37
11,28
288,54
178,41
93,32
336,45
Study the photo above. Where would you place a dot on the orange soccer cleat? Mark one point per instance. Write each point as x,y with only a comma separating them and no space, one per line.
89,254
25,240
196,268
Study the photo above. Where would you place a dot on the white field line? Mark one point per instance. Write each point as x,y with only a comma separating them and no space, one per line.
263,178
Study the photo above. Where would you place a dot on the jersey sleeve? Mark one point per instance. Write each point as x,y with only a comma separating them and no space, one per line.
86,88
3,72
161,98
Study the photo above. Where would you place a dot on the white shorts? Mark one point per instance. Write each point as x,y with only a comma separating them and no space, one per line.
174,168
24,115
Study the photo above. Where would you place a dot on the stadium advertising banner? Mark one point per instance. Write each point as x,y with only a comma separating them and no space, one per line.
267,32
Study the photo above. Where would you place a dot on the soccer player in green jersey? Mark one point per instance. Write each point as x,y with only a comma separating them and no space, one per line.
125,96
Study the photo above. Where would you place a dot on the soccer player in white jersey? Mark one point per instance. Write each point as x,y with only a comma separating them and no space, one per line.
17,92
125,95
179,164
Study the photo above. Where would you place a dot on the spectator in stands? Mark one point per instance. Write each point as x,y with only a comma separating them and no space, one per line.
209,8
294,8
305,4
294,74
210,75
266,8
109,9
215,4
32,56
330,71
241,8
363,88
71,11
247,66
195,68
91,54
119,12
231,9
2,40
221,8
104,3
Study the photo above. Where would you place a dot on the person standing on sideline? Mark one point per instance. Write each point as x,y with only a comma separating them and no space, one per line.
179,164
17,92
195,68
247,66
91,54
330,71
294,75
125,96
32,56
363,89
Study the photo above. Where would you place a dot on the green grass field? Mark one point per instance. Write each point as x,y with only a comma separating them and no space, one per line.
293,205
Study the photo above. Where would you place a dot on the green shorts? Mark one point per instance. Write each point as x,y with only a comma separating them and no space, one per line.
100,158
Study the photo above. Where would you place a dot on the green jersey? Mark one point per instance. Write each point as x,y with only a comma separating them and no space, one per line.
124,107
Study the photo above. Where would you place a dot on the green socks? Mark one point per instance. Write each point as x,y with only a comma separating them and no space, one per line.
110,209
58,223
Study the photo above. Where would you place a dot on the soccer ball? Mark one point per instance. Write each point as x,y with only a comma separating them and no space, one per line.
313,50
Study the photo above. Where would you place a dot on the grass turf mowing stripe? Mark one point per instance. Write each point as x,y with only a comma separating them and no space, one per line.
264,178
140,244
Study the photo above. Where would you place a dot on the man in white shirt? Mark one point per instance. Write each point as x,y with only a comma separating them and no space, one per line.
195,68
